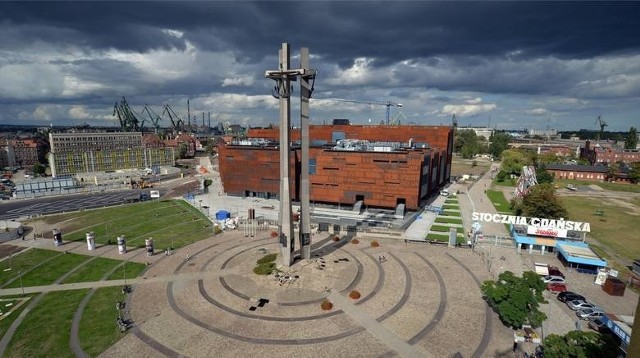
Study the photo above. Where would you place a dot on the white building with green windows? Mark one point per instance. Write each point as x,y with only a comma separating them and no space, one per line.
73,153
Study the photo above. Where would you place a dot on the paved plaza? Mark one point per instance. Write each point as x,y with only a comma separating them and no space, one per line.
423,301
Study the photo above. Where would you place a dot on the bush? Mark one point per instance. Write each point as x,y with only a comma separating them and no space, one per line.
374,243
326,305
336,238
274,234
355,241
354,295
265,269
266,259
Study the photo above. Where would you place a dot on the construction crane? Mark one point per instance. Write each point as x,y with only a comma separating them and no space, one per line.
602,124
387,103
130,121
176,122
155,118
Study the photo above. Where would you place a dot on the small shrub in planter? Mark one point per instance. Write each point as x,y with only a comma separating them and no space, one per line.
336,238
274,234
355,241
326,305
374,243
354,295
267,258
264,269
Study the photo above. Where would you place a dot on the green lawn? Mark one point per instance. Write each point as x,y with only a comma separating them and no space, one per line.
98,329
93,271
445,238
9,317
604,185
168,221
131,269
51,271
23,261
45,330
442,228
448,220
450,206
499,201
617,229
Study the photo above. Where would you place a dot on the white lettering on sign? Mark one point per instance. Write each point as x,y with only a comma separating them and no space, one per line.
546,224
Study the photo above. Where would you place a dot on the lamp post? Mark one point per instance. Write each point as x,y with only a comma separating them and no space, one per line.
21,285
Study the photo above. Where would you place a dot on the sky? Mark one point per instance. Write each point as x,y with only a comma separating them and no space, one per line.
508,65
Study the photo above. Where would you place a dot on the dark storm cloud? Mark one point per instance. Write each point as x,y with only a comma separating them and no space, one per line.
340,31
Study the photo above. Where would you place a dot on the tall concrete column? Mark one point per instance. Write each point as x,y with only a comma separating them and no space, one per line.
283,77
305,93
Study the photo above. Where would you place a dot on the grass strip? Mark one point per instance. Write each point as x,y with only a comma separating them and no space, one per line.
93,271
46,329
49,273
498,200
130,269
98,329
448,220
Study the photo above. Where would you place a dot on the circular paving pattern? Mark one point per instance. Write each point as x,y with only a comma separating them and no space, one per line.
421,294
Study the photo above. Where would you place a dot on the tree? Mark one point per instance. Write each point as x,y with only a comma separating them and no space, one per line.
468,143
579,344
514,159
634,172
631,141
548,158
182,151
39,169
516,299
543,176
540,202
499,143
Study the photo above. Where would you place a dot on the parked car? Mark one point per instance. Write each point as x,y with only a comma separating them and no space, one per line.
569,296
580,305
552,279
556,287
598,326
589,313
554,271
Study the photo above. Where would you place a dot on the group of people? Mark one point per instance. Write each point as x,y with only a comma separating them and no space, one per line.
382,259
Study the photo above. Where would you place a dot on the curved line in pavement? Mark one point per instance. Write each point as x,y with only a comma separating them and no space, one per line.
184,315
211,300
379,283
405,294
441,307
161,348
487,332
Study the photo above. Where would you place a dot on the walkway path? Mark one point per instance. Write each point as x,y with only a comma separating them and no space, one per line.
379,331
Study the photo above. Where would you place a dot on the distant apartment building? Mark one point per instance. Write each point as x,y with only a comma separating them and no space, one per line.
22,152
26,151
549,133
484,132
73,153
608,154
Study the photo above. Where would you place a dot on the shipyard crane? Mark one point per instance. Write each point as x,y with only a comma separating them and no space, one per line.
602,124
389,104
155,118
130,121
176,122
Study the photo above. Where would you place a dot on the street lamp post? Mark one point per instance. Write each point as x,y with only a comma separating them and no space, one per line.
21,285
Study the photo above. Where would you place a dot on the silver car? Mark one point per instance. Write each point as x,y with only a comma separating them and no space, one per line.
552,279
580,305
589,314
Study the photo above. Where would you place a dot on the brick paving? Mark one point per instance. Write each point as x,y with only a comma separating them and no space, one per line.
424,300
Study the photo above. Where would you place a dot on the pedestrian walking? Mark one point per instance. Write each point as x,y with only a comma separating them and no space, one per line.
515,346
187,257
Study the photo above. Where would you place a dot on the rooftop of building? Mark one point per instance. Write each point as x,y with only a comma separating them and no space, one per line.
578,168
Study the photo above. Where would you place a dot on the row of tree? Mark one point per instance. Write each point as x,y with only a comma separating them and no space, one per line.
468,144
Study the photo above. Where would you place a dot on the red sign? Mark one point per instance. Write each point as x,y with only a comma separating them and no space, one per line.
546,232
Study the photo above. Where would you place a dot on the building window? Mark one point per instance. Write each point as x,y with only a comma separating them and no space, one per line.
312,165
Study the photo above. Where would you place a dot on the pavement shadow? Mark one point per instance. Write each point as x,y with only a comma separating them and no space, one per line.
322,249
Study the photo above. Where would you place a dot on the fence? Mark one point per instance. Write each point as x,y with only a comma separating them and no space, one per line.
501,241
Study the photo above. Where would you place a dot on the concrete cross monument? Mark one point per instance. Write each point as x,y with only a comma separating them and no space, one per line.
283,76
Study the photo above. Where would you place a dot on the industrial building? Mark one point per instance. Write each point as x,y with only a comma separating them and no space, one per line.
378,166
73,153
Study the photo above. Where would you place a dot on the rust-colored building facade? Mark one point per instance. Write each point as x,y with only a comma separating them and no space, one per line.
383,166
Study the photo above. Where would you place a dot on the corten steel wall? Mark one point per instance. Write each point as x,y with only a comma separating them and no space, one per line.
246,168
436,136
381,179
